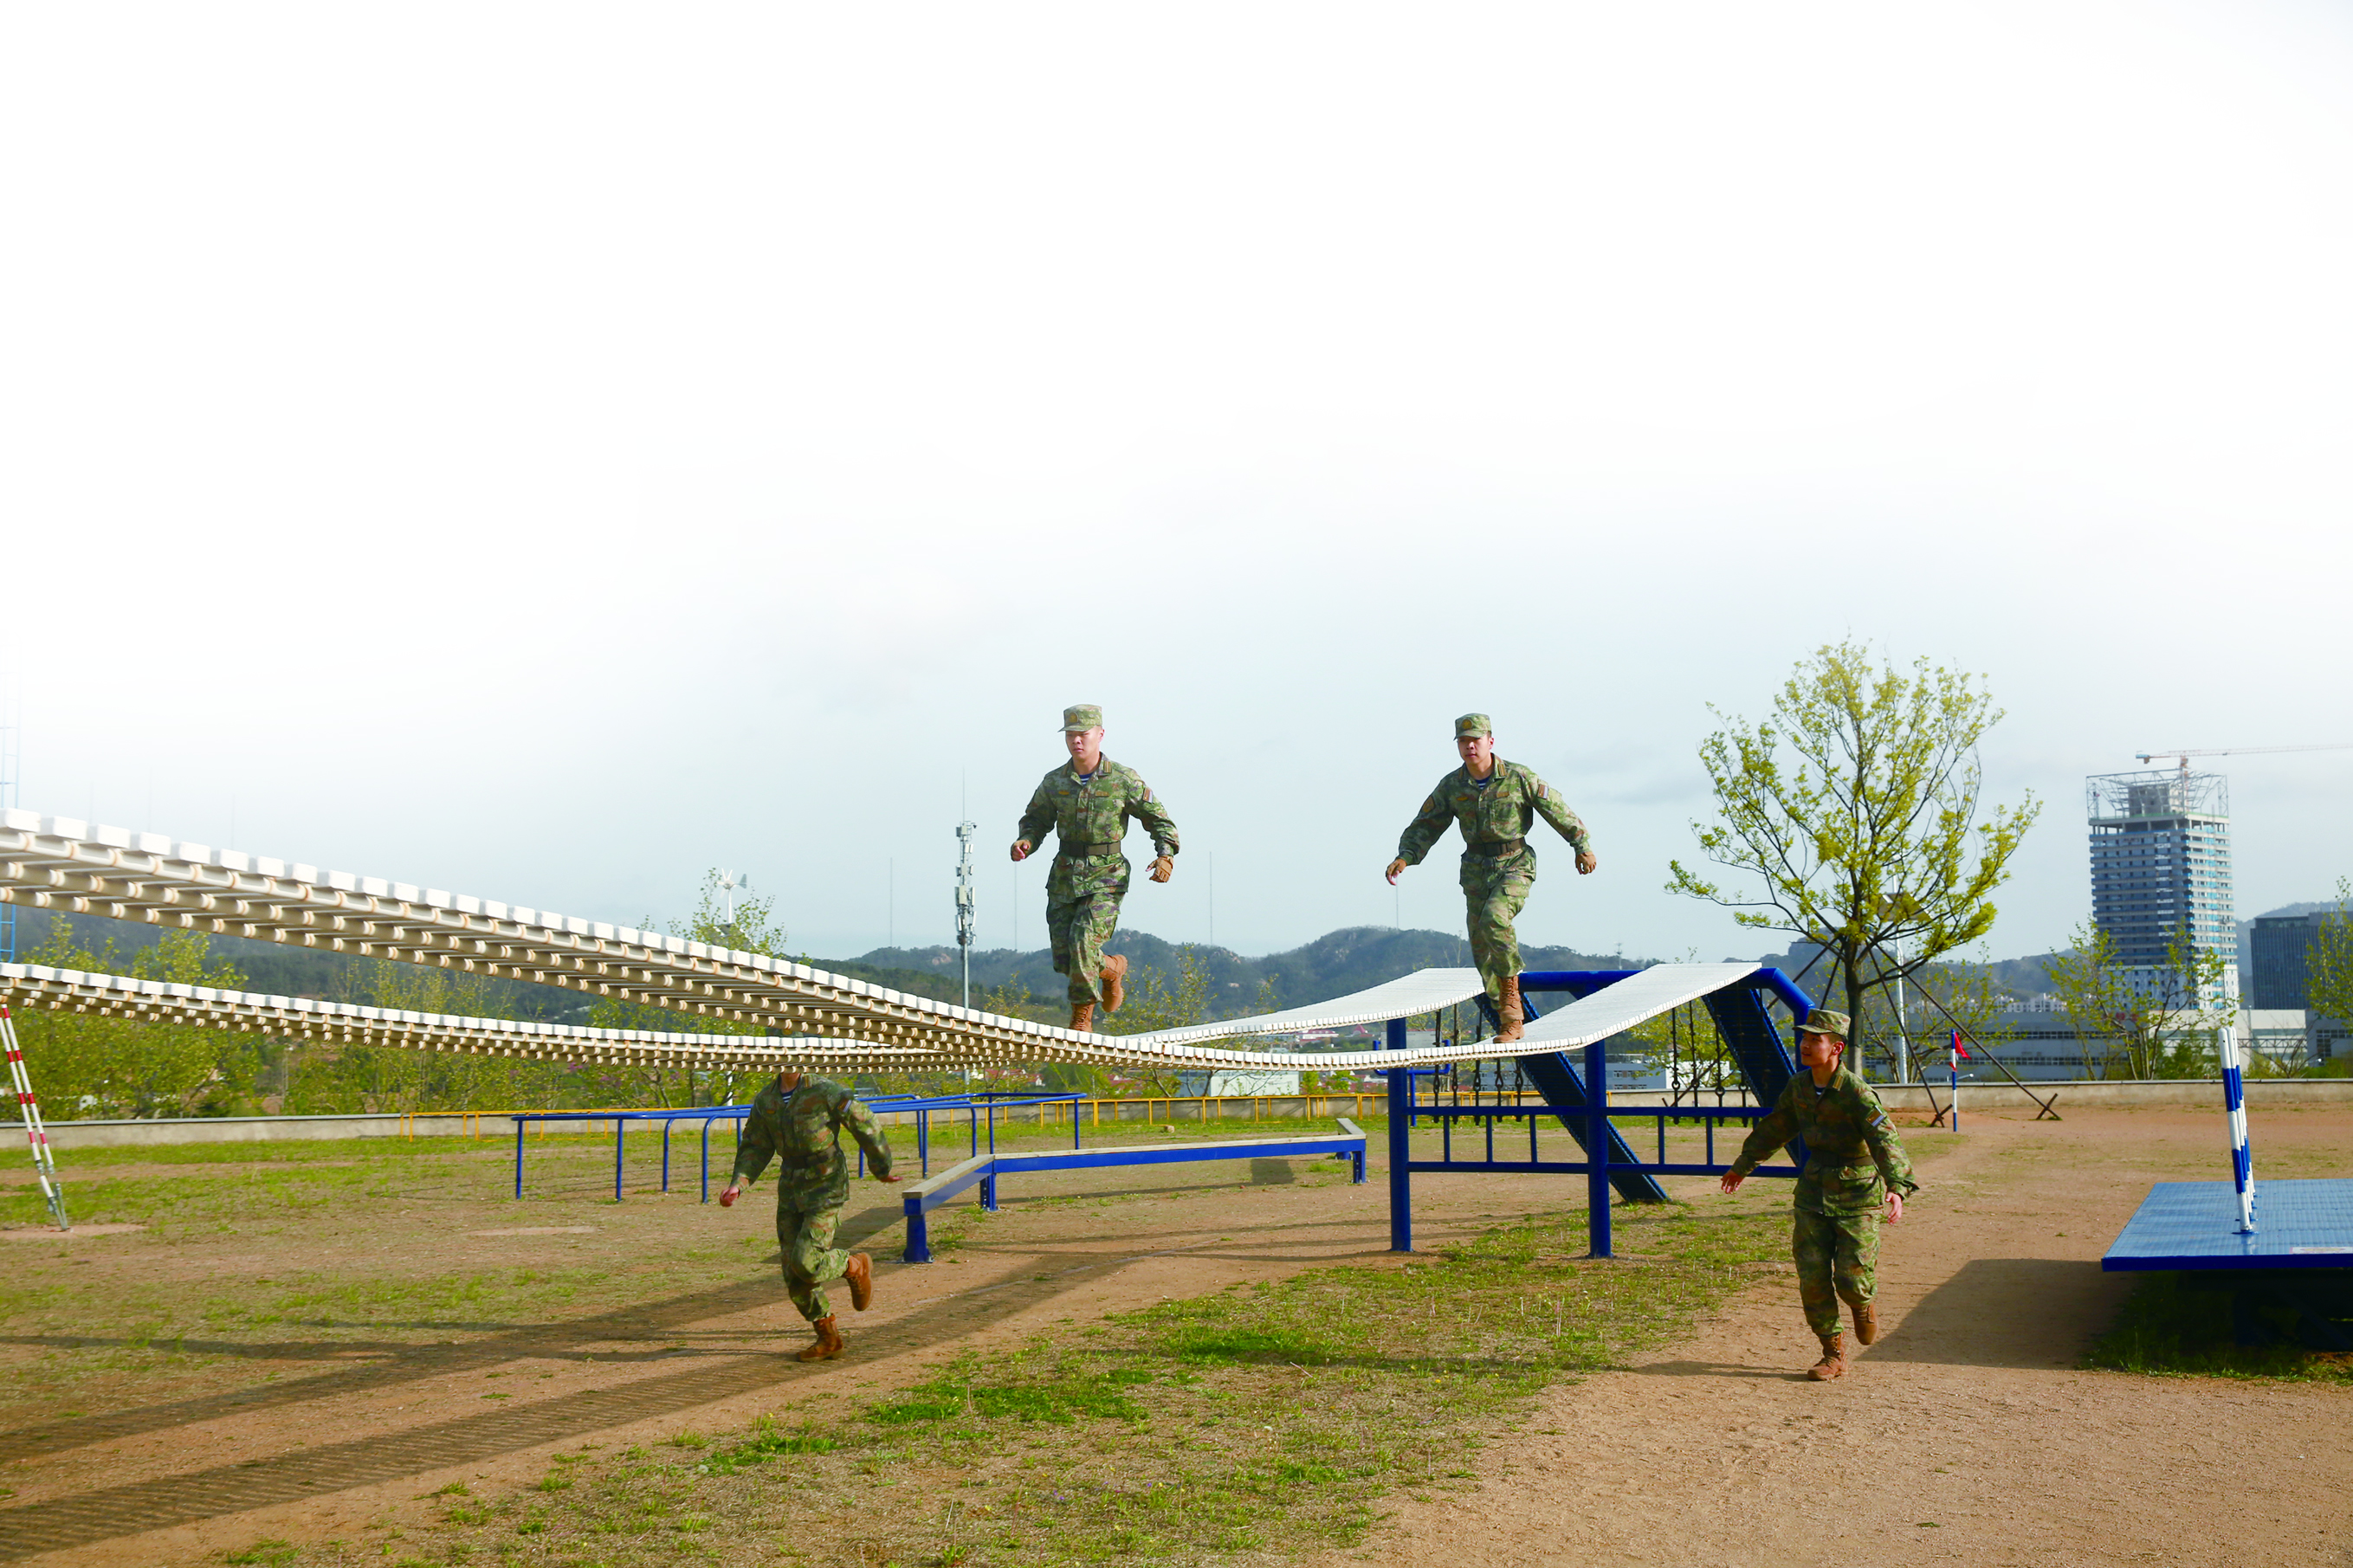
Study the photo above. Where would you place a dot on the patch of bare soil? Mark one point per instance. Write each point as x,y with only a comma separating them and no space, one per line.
1964,1435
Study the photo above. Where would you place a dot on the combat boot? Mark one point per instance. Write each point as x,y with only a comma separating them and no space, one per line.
859,1277
1082,1017
1833,1362
1114,982
1866,1322
1514,1017
828,1341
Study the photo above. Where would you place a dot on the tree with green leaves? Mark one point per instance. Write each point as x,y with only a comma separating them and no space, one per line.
721,918
2142,1020
2328,961
87,1066
1853,817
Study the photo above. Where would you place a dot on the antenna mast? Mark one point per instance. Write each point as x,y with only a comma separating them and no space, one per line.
965,830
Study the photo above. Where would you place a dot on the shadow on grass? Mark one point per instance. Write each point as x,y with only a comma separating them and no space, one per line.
722,1373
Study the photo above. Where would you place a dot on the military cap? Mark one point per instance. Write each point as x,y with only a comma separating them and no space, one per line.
1078,721
1472,724
1822,1021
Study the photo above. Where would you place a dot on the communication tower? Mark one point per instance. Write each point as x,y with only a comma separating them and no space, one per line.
965,830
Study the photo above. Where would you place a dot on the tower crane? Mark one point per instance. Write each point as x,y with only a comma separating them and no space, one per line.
2185,753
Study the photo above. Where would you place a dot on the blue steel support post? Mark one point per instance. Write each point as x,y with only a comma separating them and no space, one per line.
706,1159
919,1234
519,1127
1597,1146
1400,1146
618,1126
668,1124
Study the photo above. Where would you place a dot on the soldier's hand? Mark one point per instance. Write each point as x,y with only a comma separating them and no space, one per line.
1395,867
727,1199
1732,1180
1895,1207
1020,850
1586,861
1163,867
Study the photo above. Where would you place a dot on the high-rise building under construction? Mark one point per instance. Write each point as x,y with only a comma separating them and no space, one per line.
2161,868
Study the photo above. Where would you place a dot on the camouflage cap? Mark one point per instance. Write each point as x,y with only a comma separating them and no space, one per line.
1472,724
1078,721
1822,1021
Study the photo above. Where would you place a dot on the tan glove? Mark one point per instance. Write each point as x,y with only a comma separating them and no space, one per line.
1164,868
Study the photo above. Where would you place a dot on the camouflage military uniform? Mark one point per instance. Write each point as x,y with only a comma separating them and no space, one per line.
1853,1159
1089,877
1499,865
802,1133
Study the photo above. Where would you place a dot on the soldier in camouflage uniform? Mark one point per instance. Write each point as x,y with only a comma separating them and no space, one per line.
1496,802
798,1121
1087,803
1854,1162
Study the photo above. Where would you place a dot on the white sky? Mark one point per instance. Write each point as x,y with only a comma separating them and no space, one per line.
547,451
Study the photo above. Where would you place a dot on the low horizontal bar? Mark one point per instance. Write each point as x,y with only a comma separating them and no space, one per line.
1173,1154
1580,1167
1617,1112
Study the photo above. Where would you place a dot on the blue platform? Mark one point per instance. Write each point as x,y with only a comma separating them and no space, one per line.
2194,1224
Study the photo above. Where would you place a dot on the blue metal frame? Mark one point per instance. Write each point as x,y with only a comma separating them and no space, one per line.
983,1169
1764,1063
923,1106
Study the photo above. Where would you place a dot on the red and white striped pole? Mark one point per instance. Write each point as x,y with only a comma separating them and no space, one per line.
45,1164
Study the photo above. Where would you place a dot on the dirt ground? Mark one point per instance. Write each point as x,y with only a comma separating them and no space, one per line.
1964,1435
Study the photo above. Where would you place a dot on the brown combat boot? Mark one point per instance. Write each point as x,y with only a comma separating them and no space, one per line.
1082,1017
860,1278
1514,1017
1866,1322
828,1341
1114,982
1833,1362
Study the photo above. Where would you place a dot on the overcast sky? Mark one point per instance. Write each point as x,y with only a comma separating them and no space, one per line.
548,451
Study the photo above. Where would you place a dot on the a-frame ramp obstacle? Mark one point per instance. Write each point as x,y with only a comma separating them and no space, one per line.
1607,1003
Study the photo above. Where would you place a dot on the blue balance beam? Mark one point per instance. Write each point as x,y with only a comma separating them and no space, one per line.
983,1170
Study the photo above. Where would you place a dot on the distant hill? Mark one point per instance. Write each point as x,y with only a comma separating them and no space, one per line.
1354,958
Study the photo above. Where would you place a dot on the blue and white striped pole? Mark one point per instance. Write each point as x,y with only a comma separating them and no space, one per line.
2234,1106
1953,1085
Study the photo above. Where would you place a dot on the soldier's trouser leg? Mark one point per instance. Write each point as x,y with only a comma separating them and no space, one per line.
1493,893
1838,1259
1082,900
805,1230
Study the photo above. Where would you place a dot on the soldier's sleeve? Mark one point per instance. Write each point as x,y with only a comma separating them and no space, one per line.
1429,824
1771,1131
850,1112
1145,807
757,1147
1886,1148
1566,823
1038,818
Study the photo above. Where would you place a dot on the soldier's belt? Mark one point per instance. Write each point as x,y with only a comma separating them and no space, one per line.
1493,847
1084,850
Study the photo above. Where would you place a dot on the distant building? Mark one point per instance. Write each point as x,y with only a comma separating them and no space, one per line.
2282,948
2161,868
1237,1081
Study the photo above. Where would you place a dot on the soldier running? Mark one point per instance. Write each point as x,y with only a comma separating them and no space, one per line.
797,1120
1854,1161
1087,802
1496,802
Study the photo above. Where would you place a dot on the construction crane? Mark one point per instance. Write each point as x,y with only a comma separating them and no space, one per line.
2184,752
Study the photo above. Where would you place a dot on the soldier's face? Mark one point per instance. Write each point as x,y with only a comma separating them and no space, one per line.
1820,1050
1478,751
1086,747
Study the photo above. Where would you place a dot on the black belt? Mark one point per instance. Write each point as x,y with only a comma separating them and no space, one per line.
1084,850
1492,847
